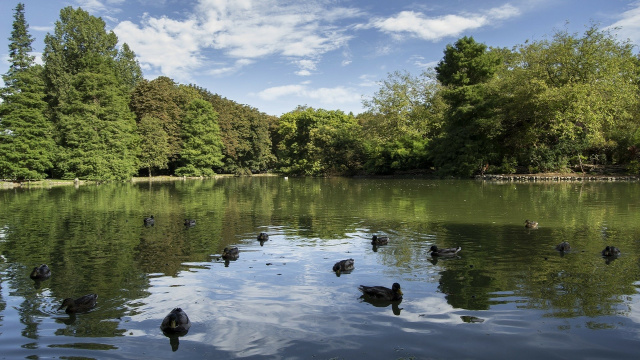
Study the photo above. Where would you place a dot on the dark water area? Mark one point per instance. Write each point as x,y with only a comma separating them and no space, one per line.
508,292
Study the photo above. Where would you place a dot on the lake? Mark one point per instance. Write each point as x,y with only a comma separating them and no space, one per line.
507,293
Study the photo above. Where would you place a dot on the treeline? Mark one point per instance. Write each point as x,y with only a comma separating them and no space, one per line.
543,106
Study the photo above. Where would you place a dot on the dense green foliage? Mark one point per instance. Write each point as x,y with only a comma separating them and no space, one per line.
202,147
570,102
26,142
317,142
245,135
89,99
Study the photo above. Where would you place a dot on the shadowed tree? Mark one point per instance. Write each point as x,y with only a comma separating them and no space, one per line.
26,142
89,94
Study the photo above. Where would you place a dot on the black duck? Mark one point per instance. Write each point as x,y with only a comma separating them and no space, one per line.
176,321
563,246
343,266
444,252
81,304
379,240
382,293
610,251
149,221
41,272
230,253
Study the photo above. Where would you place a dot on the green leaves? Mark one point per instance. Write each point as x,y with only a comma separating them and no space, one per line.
26,143
88,88
202,148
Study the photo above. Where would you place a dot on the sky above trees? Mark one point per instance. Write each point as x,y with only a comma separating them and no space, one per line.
276,55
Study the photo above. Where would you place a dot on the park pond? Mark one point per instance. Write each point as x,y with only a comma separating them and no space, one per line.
507,293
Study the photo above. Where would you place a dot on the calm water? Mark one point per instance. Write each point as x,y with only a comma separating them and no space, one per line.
508,293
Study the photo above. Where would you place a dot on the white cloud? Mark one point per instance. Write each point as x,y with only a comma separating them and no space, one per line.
169,45
326,96
246,29
42,28
418,25
225,70
628,27
100,6
306,67
276,92
419,61
368,80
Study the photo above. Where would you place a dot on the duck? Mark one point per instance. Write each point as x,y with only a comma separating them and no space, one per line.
230,253
379,240
81,304
189,222
343,266
149,221
563,246
176,321
263,236
530,224
382,293
610,251
444,252
41,272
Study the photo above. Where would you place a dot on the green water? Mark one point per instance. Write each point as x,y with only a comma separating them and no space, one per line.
507,293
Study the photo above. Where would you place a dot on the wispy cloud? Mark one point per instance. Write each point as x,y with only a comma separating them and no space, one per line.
419,25
100,6
628,27
235,67
170,46
248,29
329,96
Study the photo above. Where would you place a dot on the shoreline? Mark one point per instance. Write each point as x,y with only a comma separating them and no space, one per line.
542,177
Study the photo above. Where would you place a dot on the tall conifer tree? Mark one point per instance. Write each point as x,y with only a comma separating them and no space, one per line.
26,143
89,93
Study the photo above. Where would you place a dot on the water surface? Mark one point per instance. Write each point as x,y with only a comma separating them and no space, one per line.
508,293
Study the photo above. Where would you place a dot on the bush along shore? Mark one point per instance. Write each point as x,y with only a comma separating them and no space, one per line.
557,177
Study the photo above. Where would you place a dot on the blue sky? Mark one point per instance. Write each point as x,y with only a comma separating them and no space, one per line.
277,54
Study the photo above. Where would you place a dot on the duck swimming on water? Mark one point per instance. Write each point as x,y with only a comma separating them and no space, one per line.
379,240
176,321
230,253
149,221
444,252
382,293
563,246
81,304
610,251
343,266
41,272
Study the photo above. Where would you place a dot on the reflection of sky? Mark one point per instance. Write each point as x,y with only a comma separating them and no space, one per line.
284,293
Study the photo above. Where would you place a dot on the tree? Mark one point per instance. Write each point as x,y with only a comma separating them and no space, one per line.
568,100
245,134
90,99
160,99
467,143
154,144
26,143
403,116
316,142
202,147
128,67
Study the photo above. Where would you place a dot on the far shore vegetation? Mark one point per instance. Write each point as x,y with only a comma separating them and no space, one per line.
569,103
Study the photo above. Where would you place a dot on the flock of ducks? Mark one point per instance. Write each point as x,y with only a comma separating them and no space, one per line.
177,322
609,252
